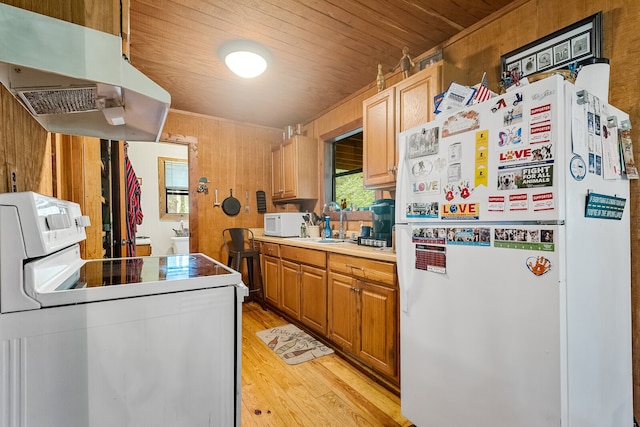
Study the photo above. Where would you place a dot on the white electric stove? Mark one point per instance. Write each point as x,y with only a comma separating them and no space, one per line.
148,341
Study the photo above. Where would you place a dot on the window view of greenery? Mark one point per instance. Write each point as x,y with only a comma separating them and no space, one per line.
176,175
347,173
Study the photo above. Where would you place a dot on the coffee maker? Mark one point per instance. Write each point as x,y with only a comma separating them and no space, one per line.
382,221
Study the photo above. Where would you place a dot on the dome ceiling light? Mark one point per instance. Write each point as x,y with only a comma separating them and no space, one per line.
246,58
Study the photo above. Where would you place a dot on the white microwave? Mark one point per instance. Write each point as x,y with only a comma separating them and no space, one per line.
284,224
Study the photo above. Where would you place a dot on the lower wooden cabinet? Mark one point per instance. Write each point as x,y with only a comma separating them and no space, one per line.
303,279
343,307
143,250
313,298
271,280
363,312
350,300
271,273
290,284
377,342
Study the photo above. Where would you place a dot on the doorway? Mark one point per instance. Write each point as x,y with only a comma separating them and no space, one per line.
151,162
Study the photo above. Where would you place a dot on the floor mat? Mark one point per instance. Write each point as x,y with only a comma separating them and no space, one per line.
292,344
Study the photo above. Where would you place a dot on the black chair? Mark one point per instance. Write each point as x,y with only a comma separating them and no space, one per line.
240,245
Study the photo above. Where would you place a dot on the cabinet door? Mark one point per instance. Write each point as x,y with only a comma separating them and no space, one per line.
379,140
271,275
295,169
277,185
143,250
313,304
289,168
342,311
290,285
414,98
377,345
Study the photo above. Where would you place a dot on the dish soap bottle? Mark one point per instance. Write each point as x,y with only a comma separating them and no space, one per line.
327,228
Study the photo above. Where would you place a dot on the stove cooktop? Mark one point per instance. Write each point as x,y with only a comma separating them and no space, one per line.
131,271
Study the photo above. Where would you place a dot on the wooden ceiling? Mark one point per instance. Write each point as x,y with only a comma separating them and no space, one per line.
322,50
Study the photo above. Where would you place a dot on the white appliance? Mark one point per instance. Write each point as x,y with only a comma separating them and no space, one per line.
514,264
284,224
74,80
148,341
180,245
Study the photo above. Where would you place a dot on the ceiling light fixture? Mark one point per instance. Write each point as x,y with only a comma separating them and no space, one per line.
245,58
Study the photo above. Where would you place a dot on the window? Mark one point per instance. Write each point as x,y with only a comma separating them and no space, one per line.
348,184
173,186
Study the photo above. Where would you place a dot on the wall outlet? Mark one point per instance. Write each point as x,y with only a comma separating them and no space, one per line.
12,178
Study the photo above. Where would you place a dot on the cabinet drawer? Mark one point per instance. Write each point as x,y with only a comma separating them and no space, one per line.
378,271
304,256
143,250
271,249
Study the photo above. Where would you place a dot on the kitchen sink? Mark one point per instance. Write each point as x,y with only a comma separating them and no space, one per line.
329,241
323,241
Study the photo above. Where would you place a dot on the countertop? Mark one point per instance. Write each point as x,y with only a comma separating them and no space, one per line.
351,249
143,240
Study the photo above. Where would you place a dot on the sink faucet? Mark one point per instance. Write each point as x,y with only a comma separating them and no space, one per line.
333,207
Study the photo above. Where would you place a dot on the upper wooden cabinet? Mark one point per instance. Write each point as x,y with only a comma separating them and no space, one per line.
414,98
277,186
378,132
295,169
395,109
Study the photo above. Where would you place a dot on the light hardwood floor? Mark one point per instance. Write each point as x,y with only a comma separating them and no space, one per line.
321,392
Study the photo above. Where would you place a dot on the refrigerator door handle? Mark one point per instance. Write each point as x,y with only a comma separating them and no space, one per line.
401,254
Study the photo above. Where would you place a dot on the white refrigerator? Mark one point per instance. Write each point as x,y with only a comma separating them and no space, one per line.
512,240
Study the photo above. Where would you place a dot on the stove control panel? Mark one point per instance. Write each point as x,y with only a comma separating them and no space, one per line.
47,224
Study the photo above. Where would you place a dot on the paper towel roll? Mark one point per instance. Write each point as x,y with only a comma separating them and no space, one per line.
594,77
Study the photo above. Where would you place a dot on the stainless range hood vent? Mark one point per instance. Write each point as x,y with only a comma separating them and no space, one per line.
74,80
59,101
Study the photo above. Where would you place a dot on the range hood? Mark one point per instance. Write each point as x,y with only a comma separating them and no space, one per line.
74,80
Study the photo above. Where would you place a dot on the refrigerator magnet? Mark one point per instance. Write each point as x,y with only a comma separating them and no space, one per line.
578,168
538,265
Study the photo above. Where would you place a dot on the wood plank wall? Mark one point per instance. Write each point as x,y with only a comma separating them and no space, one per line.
77,177
24,147
97,14
231,155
